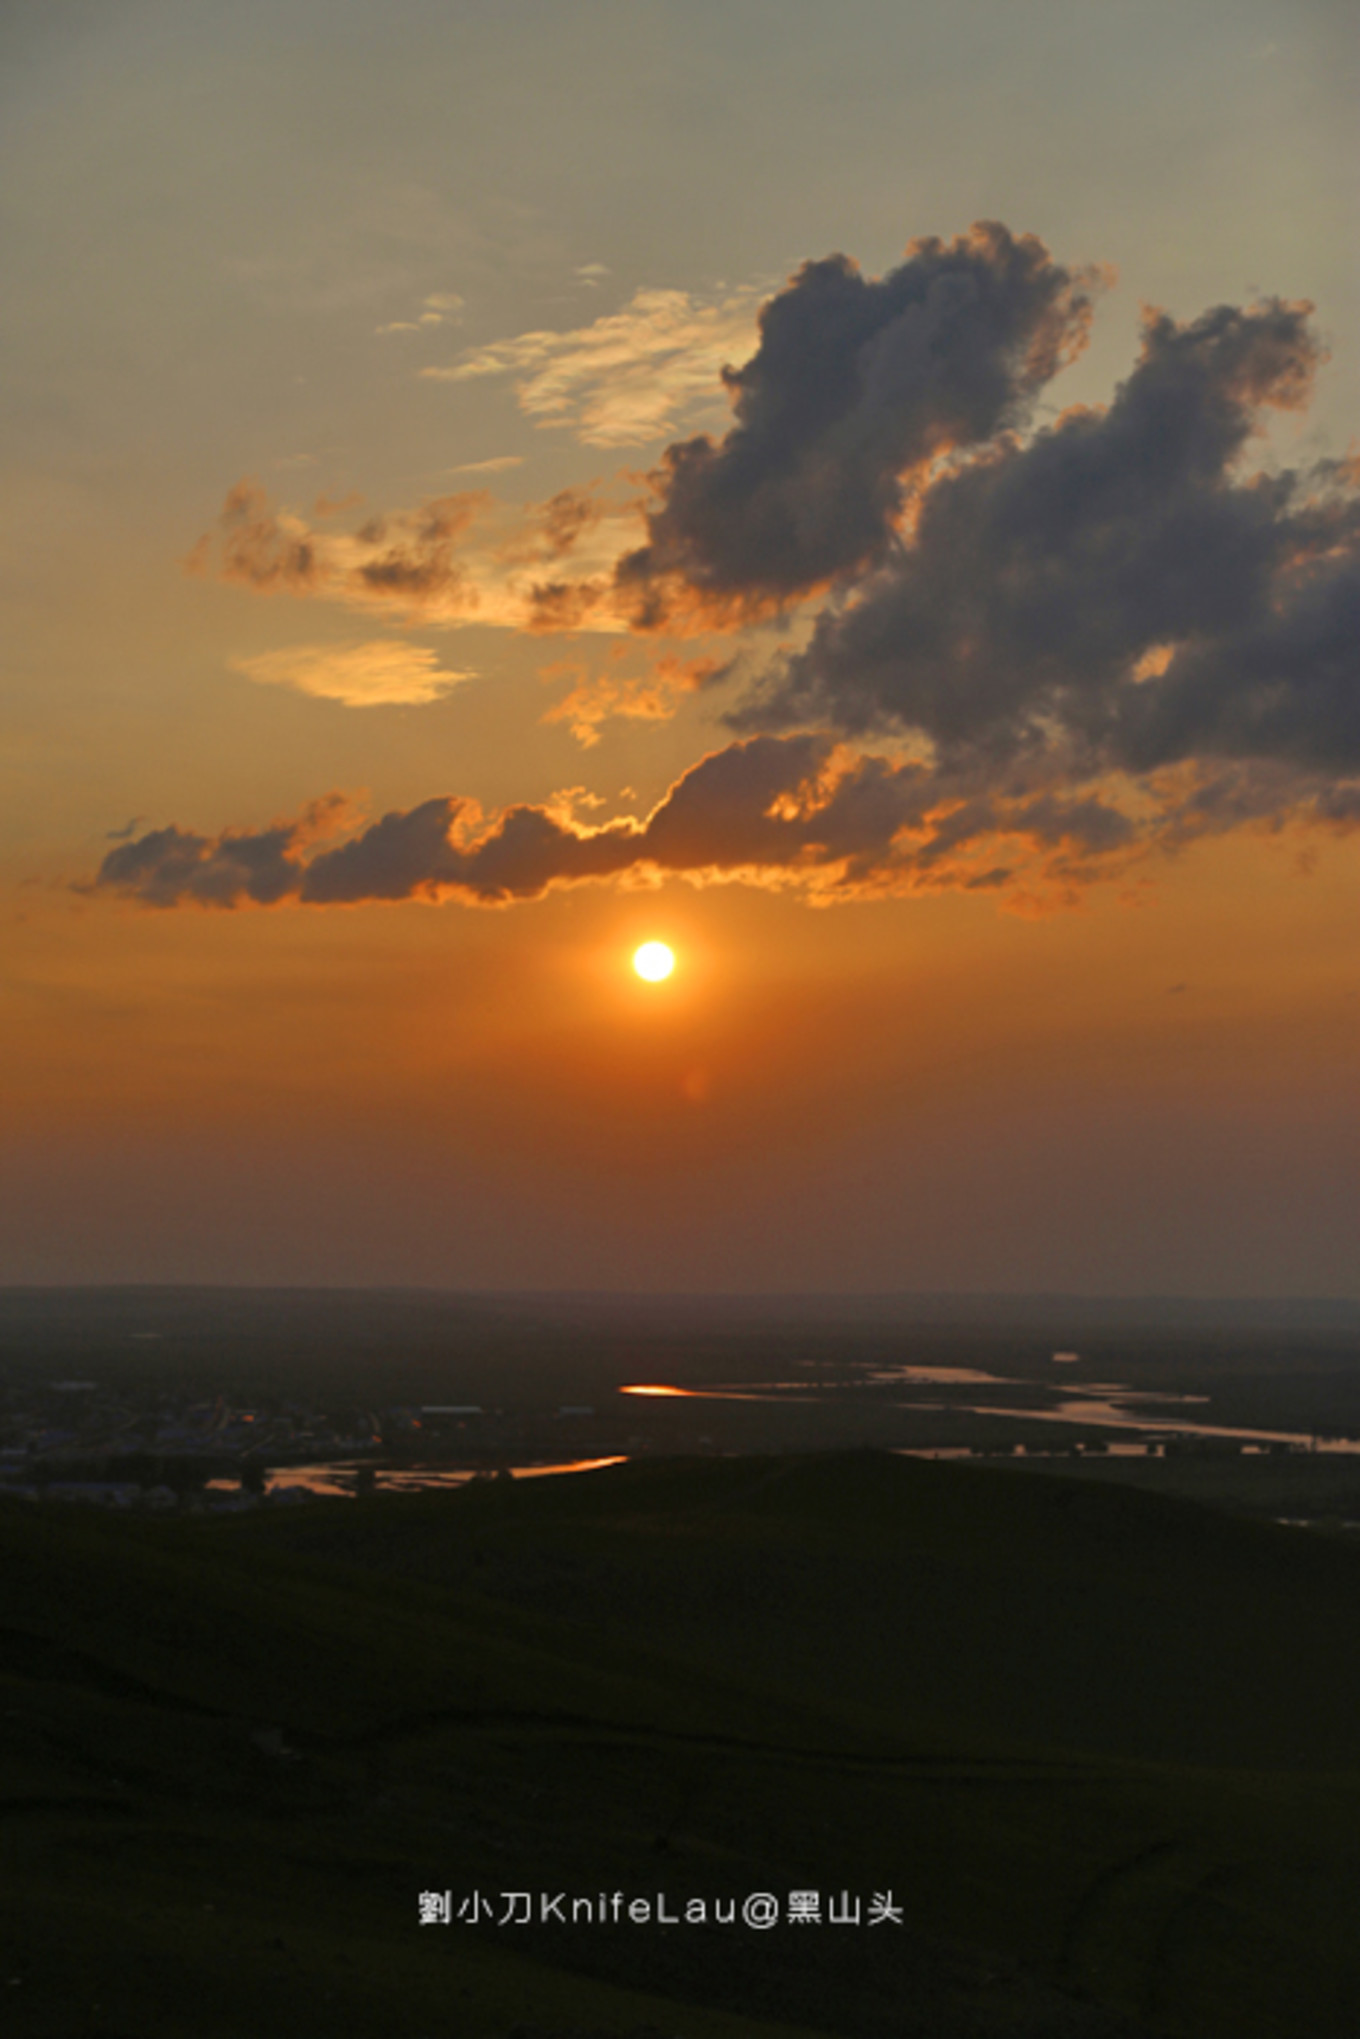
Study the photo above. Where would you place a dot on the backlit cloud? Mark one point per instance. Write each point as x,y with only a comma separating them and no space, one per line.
793,811
627,378
381,672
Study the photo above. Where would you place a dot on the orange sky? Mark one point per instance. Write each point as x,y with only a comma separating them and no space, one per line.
1128,1066
906,1093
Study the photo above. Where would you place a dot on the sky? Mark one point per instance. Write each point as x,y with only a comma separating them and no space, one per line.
868,496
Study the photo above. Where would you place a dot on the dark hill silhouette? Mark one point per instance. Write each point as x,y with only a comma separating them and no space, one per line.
1096,1743
1041,1610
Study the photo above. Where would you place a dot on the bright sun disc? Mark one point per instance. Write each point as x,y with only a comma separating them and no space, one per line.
653,961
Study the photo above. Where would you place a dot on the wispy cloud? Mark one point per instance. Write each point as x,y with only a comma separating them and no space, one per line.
500,464
596,698
604,697
629,377
440,308
381,672
460,558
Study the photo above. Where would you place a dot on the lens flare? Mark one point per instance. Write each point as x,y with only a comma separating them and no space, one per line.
653,961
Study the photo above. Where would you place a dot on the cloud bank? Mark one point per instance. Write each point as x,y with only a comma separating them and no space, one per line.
1075,645
776,811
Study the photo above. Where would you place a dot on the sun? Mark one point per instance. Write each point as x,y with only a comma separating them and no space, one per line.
654,961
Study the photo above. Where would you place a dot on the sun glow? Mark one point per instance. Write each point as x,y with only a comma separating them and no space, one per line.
653,961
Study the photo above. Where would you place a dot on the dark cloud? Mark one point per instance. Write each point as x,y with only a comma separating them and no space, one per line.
855,384
1115,594
399,857
777,811
723,815
171,867
1282,683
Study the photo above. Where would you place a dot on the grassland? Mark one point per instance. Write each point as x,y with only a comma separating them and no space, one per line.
1100,1744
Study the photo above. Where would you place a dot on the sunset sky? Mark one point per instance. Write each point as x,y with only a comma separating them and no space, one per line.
868,496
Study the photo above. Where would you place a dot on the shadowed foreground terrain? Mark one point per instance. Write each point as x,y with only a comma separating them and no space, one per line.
1100,1745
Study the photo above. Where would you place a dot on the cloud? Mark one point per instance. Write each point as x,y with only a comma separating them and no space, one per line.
439,308
794,811
413,557
172,866
1117,594
272,550
453,559
856,385
627,378
501,464
1078,645
605,697
265,548
381,672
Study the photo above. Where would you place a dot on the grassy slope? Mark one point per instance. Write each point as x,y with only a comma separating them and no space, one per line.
1040,1610
706,1678
1322,1488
